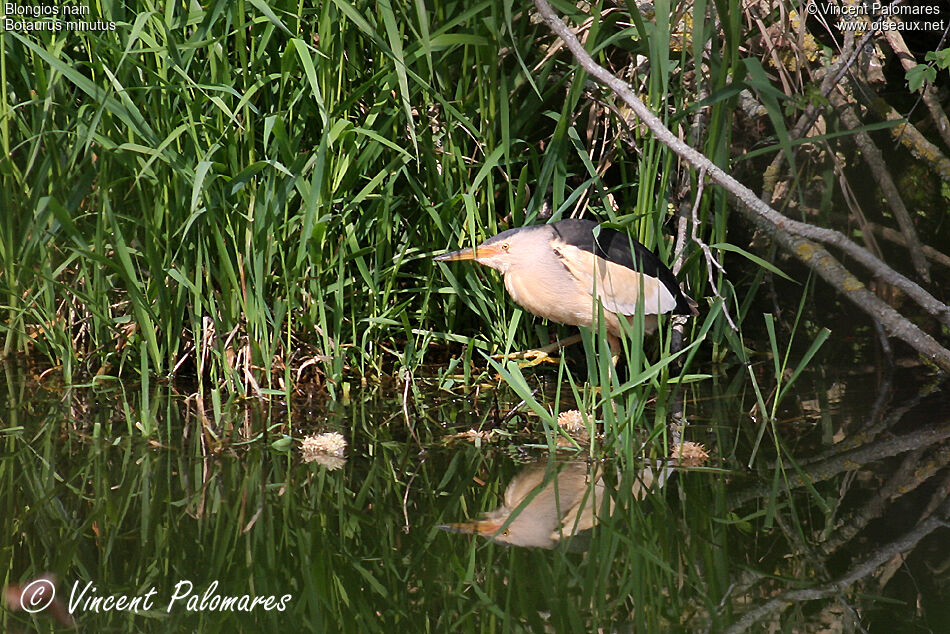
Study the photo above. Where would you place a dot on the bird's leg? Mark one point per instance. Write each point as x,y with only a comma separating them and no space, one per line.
614,343
541,355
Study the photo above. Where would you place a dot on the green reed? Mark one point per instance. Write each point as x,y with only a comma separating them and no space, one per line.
232,191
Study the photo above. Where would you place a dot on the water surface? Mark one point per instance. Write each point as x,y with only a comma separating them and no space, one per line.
191,516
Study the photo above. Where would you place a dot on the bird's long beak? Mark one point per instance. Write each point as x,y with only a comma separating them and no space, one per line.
486,527
464,254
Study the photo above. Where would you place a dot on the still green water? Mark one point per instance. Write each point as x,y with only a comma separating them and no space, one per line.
213,522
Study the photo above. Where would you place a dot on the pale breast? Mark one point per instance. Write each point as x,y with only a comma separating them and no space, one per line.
561,298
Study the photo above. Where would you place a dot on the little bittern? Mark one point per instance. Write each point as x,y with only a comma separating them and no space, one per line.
558,270
542,504
548,501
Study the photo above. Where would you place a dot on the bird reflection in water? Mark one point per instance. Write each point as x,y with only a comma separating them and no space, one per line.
550,501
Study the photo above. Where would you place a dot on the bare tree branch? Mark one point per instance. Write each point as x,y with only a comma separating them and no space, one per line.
927,92
797,237
845,461
849,55
875,160
839,585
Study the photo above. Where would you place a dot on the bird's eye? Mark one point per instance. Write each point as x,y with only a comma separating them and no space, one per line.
504,246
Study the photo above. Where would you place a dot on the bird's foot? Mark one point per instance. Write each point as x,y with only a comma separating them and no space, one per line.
530,358
541,355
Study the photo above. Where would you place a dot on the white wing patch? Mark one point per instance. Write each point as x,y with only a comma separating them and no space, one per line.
617,287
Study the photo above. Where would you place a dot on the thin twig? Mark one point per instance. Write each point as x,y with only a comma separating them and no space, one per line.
711,262
680,245
514,410
896,237
405,409
405,503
